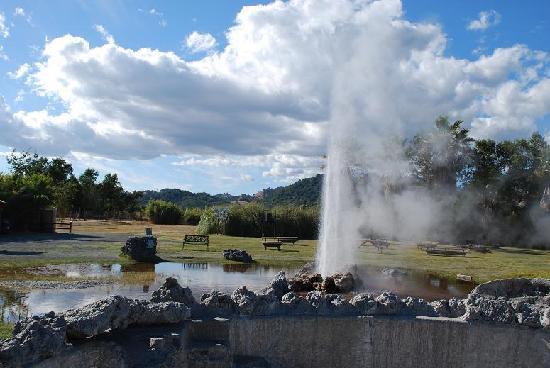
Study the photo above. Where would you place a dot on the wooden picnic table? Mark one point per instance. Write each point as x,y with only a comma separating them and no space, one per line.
272,244
282,239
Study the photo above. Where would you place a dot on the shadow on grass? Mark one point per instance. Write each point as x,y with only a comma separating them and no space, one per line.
20,253
531,252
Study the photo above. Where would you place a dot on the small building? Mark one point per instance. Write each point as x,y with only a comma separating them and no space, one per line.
2,205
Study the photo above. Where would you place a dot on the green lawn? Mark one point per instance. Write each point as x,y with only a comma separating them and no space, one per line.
5,330
501,263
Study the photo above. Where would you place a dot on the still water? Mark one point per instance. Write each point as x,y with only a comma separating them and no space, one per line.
140,280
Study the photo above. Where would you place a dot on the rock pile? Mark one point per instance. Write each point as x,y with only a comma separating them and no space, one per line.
141,248
237,255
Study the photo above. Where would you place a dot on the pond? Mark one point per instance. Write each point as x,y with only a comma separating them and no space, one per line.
140,280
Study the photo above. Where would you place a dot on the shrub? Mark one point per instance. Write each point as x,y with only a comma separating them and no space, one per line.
213,221
248,220
164,213
192,216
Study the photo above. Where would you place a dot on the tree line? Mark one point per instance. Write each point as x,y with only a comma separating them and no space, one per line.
498,191
35,182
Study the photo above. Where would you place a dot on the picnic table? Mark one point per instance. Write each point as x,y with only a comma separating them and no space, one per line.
446,251
282,239
272,244
379,244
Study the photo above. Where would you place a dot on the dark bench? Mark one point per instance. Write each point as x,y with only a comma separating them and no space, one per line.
196,240
64,226
272,244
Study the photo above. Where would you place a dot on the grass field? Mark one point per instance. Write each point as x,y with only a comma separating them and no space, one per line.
500,263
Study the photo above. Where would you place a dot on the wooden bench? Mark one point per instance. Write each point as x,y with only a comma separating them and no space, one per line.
196,240
272,244
64,226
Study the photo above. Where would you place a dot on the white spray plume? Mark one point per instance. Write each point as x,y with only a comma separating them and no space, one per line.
365,134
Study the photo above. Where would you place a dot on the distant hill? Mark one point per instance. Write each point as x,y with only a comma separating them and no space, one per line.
303,192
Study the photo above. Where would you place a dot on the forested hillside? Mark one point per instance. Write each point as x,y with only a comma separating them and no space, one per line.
303,192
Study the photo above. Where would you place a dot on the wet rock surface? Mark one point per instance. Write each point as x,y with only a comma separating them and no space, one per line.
237,255
141,248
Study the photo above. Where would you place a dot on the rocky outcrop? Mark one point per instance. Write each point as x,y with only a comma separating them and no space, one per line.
279,286
513,301
171,291
141,248
35,339
237,255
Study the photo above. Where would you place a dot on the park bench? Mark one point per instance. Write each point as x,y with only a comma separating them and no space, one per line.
196,240
272,244
60,225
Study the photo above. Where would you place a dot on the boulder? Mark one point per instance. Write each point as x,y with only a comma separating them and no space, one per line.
329,304
451,308
344,282
416,307
278,286
387,303
237,255
294,304
364,303
217,304
171,291
251,304
35,339
141,248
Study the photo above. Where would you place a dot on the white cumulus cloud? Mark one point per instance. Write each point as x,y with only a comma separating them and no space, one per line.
266,98
485,20
200,42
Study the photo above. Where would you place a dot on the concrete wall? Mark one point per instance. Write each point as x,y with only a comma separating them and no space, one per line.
388,343
369,342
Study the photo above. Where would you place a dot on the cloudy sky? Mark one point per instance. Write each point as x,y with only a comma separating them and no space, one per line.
235,96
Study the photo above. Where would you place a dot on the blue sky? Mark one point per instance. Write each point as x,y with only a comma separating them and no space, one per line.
207,107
